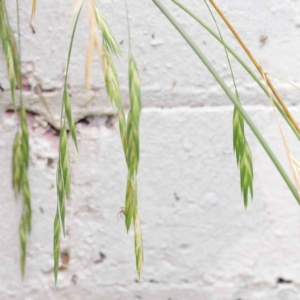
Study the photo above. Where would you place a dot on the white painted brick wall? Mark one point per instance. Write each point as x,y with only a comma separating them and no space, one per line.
199,242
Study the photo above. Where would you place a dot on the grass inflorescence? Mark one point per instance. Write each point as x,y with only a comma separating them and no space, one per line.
132,156
63,173
9,46
232,97
129,130
20,150
240,144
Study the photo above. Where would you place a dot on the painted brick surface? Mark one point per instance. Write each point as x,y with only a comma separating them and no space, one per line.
199,242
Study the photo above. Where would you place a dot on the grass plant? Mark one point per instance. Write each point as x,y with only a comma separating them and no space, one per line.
107,50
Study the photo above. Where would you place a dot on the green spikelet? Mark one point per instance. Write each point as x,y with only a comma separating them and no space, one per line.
17,164
63,176
69,115
56,244
240,145
65,161
23,241
238,134
246,173
108,37
61,195
243,156
111,78
25,142
27,202
123,129
134,91
11,72
15,55
138,244
130,200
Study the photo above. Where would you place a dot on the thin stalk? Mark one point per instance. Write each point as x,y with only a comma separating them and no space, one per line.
226,52
257,65
231,97
278,77
68,63
71,45
238,58
128,30
19,44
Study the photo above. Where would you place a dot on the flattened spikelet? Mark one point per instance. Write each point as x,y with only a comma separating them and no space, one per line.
133,118
23,241
238,134
130,200
138,244
243,156
134,91
246,173
65,161
56,244
60,195
25,139
27,202
132,143
132,158
15,55
71,123
11,72
17,164
111,78
20,149
108,37
10,49
123,129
